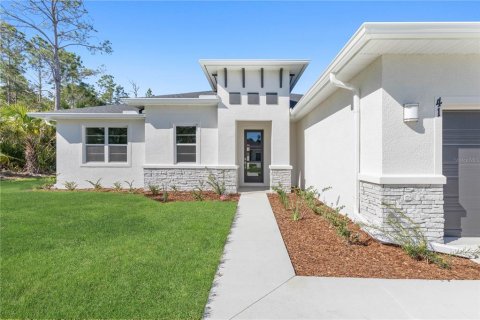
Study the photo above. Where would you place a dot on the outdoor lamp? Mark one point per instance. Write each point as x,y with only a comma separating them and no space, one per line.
410,112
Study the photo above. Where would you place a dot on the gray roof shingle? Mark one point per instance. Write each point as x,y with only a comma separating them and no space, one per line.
195,94
113,108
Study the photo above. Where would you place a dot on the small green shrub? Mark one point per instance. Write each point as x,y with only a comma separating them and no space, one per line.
282,195
49,183
403,231
165,194
95,184
217,186
309,196
174,189
296,210
154,189
70,185
197,192
131,189
117,186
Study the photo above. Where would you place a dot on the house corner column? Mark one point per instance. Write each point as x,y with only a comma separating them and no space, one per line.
281,177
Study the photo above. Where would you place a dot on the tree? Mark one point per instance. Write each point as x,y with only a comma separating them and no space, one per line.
61,24
106,86
38,61
135,88
32,135
12,63
119,94
80,95
149,93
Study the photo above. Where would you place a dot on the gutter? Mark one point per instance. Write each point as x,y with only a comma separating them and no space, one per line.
58,116
356,119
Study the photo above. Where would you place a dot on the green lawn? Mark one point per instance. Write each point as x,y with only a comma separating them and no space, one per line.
106,255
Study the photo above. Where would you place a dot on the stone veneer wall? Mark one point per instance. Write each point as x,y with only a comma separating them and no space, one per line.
281,177
186,179
422,203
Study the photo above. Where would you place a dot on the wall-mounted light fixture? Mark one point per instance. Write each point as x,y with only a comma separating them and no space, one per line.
410,112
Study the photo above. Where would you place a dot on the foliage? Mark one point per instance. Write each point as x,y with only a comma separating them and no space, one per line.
217,186
96,184
61,25
49,182
154,189
282,195
131,189
70,185
149,93
26,142
174,188
86,254
165,194
117,186
197,192
403,231
296,210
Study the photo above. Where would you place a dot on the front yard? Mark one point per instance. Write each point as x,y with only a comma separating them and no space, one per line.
106,255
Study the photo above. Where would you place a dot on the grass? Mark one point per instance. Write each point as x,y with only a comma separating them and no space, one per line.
106,255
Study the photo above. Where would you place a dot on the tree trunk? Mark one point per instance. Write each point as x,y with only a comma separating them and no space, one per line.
31,163
40,83
57,77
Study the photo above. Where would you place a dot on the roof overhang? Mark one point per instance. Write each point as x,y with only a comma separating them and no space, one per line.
152,102
67,116
211,67
373,40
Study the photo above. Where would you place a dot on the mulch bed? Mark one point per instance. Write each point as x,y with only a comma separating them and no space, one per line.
188,196
172,195
315,249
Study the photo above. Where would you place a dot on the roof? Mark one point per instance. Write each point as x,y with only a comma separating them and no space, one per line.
211,67
113,108
375,39
119,111
195,94
294,98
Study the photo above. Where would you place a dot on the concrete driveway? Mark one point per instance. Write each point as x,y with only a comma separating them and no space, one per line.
256,280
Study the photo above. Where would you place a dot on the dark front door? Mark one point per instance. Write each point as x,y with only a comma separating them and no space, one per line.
253,156
461,166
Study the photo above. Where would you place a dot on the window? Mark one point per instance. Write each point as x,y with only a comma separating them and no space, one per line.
272,98
106,141
253,98
235,98
186,144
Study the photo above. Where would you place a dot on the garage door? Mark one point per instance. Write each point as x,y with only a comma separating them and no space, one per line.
461,166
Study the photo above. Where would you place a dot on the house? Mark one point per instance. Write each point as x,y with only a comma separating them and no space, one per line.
395,118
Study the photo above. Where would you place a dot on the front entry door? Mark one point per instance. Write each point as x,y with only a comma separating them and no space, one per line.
253,156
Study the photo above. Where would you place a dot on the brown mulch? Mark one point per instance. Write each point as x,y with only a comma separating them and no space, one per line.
315,249
188,196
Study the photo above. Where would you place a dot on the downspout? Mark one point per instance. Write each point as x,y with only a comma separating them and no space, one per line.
356,119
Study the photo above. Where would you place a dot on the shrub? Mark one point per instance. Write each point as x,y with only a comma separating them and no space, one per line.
49,183
282,195
154,189
96,185
174,189
403,231
165,194
117,186
130,185
70,185
217,186
197,192
296,210
309,196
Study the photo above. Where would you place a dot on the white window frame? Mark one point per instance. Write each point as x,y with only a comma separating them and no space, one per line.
106,146
196,144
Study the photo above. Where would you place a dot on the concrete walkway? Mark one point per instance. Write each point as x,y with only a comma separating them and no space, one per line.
256,280
255,260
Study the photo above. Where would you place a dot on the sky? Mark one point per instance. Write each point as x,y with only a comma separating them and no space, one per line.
158,44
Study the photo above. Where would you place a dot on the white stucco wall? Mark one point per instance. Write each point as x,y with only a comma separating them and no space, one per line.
325,142
230,115
160,135
70,150
416,148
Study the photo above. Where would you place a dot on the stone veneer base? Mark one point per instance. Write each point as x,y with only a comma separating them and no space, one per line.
423,203
186,179
281,177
